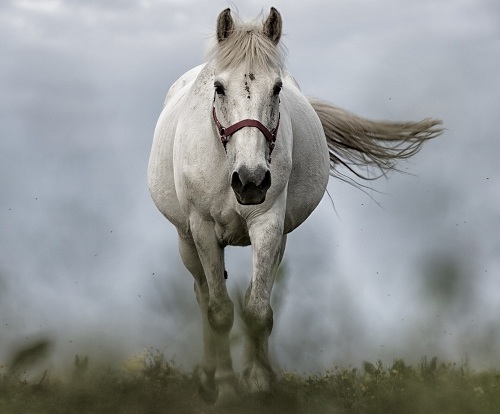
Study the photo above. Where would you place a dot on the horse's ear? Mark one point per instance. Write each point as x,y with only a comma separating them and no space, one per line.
272,26
225,25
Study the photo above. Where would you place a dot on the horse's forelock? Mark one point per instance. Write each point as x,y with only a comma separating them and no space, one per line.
247,44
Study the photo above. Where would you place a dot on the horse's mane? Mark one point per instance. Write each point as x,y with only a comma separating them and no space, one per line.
247,44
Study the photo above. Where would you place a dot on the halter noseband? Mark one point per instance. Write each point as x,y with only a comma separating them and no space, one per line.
225,133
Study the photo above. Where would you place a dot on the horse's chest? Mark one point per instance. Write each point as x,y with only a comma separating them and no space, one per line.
232,231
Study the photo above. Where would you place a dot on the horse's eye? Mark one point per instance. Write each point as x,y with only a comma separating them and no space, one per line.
277,88
219,88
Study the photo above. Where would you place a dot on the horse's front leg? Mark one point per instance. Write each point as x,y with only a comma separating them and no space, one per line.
205,259
268,246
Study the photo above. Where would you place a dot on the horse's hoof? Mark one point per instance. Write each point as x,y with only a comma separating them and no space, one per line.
206,386
227,395
209,395
257,380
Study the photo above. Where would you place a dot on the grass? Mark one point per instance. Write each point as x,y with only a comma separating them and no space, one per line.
152,384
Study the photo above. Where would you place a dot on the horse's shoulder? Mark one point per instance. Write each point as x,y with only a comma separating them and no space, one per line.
182,84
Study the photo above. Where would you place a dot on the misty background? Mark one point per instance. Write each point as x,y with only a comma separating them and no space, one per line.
411,268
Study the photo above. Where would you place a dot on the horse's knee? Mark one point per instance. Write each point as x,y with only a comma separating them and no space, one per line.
259,318
221,315
201,292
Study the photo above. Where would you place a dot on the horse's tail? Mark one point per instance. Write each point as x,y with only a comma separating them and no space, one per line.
362,145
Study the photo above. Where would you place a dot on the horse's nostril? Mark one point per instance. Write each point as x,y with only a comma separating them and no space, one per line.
236,183
266,182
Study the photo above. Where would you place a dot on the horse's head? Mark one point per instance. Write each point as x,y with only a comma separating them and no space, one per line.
247,84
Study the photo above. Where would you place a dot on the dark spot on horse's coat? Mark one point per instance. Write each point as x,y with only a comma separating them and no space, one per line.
251,76
247,88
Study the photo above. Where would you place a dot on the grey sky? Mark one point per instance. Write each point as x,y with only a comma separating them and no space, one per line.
86,258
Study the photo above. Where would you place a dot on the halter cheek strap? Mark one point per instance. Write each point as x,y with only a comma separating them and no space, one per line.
225,133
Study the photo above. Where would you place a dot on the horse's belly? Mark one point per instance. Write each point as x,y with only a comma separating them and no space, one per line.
303,198
307,183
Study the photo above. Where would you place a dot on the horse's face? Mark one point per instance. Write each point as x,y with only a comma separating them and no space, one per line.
249,94
242,95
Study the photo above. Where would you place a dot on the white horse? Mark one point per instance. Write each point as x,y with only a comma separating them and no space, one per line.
240,156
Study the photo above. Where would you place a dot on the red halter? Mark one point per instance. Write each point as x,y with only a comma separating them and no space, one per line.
225,133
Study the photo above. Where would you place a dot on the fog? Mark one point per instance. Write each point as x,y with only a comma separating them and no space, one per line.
408,268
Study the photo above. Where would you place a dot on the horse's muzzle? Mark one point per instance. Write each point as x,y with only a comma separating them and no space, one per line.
250,186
